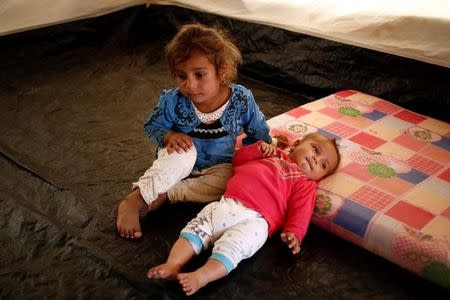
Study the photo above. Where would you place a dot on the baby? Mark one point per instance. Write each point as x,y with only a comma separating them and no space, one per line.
269,191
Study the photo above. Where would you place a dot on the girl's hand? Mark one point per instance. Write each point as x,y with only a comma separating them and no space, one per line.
289,239
266,149
179,142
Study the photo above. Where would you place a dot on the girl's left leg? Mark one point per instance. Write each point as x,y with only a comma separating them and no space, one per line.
203,185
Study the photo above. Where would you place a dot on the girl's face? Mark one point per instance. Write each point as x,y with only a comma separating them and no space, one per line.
198,80
316,157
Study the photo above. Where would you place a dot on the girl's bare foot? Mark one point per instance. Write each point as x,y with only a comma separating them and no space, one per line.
127,221
164,271
191,282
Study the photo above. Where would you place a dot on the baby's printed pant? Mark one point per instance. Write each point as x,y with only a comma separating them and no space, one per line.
236,231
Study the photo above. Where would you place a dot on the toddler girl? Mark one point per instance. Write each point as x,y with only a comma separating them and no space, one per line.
195,125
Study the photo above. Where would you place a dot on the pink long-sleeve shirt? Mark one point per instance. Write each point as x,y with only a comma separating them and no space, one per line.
275,187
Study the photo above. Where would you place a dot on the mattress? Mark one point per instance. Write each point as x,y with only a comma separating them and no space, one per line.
418,29
390,194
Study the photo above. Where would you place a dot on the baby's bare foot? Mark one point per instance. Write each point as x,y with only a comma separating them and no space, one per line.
127,221
164,271
191,282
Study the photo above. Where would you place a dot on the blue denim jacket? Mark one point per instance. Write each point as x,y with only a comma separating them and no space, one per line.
176,112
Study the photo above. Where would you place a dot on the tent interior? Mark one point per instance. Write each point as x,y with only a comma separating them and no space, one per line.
75,92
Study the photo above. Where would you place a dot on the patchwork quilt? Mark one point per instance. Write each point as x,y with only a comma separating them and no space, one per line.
391,193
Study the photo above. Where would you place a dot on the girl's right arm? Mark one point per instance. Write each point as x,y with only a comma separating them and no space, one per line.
255,124
158,123
159,128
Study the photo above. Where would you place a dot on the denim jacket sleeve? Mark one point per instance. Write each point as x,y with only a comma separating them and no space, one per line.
160,120
254,123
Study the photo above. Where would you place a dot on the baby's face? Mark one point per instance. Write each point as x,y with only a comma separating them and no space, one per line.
316,157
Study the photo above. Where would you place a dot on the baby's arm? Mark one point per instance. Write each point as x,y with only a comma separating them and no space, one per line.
291,240
266,149
300,208
247,153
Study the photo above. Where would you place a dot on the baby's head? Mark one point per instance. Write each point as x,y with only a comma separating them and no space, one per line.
317,155
212,42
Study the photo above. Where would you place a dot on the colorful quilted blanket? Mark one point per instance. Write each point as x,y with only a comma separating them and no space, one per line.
391,194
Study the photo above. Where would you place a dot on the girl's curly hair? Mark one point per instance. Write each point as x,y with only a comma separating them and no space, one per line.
212,41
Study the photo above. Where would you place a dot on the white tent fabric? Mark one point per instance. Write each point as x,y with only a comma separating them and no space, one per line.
418,29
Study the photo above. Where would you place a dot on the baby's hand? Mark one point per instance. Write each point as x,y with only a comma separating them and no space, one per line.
179,142
289,239
282,141
267,150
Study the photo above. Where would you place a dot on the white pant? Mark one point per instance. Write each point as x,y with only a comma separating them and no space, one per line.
165,172
236,231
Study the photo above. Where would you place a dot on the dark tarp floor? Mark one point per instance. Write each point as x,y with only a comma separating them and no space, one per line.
73,101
